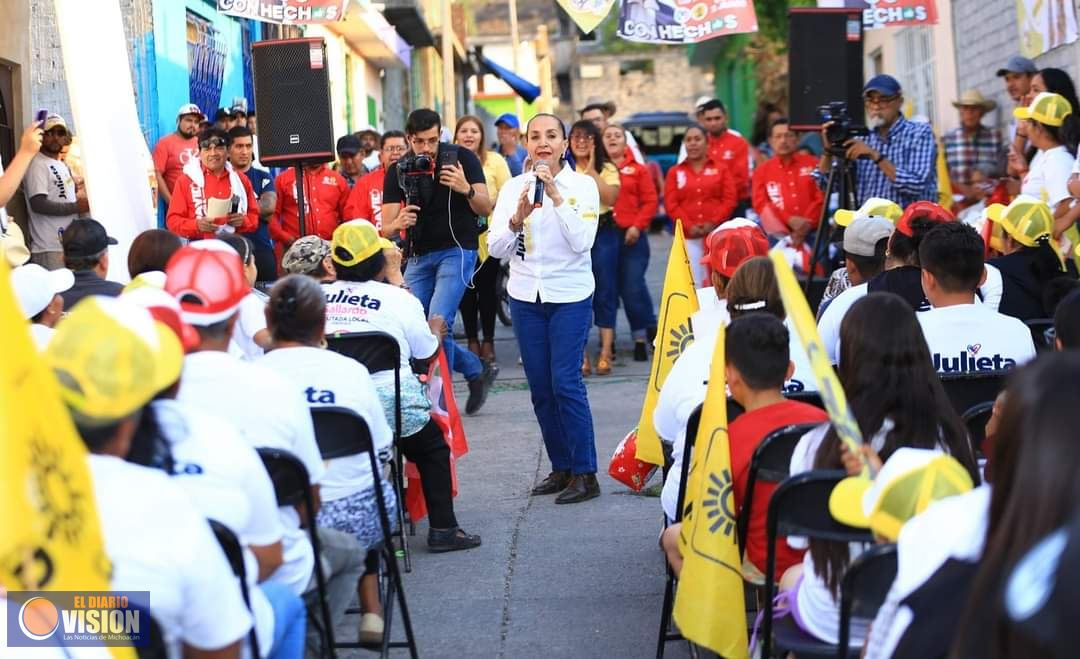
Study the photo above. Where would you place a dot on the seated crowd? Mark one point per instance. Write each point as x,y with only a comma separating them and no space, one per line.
185,397
924,299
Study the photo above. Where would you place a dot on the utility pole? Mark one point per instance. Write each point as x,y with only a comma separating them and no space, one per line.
515,39
449,113
543,58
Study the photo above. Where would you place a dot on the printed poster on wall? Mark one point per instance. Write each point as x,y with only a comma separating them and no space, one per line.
587,14
1045,25
285,12
684,21
878,14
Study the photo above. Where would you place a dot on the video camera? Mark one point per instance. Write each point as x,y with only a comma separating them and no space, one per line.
409,170
841,126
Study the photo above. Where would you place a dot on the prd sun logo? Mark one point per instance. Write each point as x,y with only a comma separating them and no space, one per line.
719,503
681,336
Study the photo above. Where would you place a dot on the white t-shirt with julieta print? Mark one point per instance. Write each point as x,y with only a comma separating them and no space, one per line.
966,338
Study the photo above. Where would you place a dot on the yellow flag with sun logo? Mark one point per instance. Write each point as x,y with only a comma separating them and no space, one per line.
709,605
51,538
677,303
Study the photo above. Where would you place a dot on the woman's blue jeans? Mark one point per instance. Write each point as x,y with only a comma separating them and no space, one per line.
551,337
619,272
290,620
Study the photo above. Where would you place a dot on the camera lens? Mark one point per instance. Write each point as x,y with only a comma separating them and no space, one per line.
423,162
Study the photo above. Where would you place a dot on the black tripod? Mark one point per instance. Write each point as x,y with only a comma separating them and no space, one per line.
842,182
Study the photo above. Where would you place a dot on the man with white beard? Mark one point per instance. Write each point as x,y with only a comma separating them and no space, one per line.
896,161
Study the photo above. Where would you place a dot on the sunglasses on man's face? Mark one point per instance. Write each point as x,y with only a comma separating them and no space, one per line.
212,143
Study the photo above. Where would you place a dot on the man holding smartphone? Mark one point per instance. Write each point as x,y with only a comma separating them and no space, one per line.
441,227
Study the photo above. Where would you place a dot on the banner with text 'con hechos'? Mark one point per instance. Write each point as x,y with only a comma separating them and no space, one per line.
684,21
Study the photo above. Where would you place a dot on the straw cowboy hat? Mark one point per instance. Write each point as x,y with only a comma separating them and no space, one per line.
972,98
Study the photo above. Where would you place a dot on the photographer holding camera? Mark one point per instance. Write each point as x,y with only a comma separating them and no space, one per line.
445,195
896,160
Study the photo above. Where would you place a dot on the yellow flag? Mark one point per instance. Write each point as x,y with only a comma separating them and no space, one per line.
51,536
709,605
832,394
587,15
945,193
678,302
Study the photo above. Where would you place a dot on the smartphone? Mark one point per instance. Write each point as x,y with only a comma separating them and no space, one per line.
448,159
235,205
41,115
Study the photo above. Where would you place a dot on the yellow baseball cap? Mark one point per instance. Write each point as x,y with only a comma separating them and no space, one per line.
909,481
890,210
1046,108
358,239
1026,219
110,358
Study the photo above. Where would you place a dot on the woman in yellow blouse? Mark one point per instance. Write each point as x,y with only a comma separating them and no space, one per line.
591,159
480,297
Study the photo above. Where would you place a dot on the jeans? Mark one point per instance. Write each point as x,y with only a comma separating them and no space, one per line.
438,280
637,303
619,272
552,337
289,621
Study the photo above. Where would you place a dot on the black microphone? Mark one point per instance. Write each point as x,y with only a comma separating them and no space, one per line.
538,191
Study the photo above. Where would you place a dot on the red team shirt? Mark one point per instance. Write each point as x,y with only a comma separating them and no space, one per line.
732,150
783,189
637,202
325,194
365,199
701,197
189,202
744,435
171,153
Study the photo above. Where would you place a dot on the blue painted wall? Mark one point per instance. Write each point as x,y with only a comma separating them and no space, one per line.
171,58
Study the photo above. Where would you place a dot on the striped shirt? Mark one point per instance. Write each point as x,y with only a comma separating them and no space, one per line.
910,146
982,152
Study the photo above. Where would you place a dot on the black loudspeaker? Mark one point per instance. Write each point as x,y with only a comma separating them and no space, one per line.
292,96
825,63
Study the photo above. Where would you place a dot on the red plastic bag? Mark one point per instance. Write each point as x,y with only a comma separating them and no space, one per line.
627,469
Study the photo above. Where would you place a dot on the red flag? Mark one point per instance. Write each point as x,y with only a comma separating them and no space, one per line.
444,411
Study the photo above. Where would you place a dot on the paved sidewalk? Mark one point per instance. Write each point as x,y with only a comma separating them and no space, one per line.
583,580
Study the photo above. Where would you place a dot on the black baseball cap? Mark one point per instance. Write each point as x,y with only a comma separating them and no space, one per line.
85,237
349,145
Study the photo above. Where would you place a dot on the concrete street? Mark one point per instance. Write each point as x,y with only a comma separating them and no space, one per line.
583,580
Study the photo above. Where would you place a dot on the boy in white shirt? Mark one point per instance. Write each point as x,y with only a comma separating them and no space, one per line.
963,335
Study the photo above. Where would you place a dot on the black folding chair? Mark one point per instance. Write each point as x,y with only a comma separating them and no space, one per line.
341,432
808,397
975,419
966,390
234,553
770,463
863,589
378,352
293,488
1039,336
817,291
666,634
800,507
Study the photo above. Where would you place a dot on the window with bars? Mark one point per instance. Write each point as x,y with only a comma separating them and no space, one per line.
206,63
915,54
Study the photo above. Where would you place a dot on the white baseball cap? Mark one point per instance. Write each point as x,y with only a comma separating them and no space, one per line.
189,108
35,286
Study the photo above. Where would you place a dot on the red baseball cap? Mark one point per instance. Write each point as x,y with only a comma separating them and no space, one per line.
207,278
727,247
923,209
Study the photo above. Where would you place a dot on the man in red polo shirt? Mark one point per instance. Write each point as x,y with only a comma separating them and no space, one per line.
208,179
325,194
786,197
174,150
728,147
365,199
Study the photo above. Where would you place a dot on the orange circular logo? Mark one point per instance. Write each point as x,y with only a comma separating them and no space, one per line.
38,618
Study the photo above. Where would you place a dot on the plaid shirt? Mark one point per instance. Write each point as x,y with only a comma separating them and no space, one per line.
912,149
965,155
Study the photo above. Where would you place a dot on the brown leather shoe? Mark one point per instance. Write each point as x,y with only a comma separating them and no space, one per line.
581,488
556,481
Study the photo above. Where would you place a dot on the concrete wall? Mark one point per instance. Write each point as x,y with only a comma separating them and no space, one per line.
672,85
986,35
